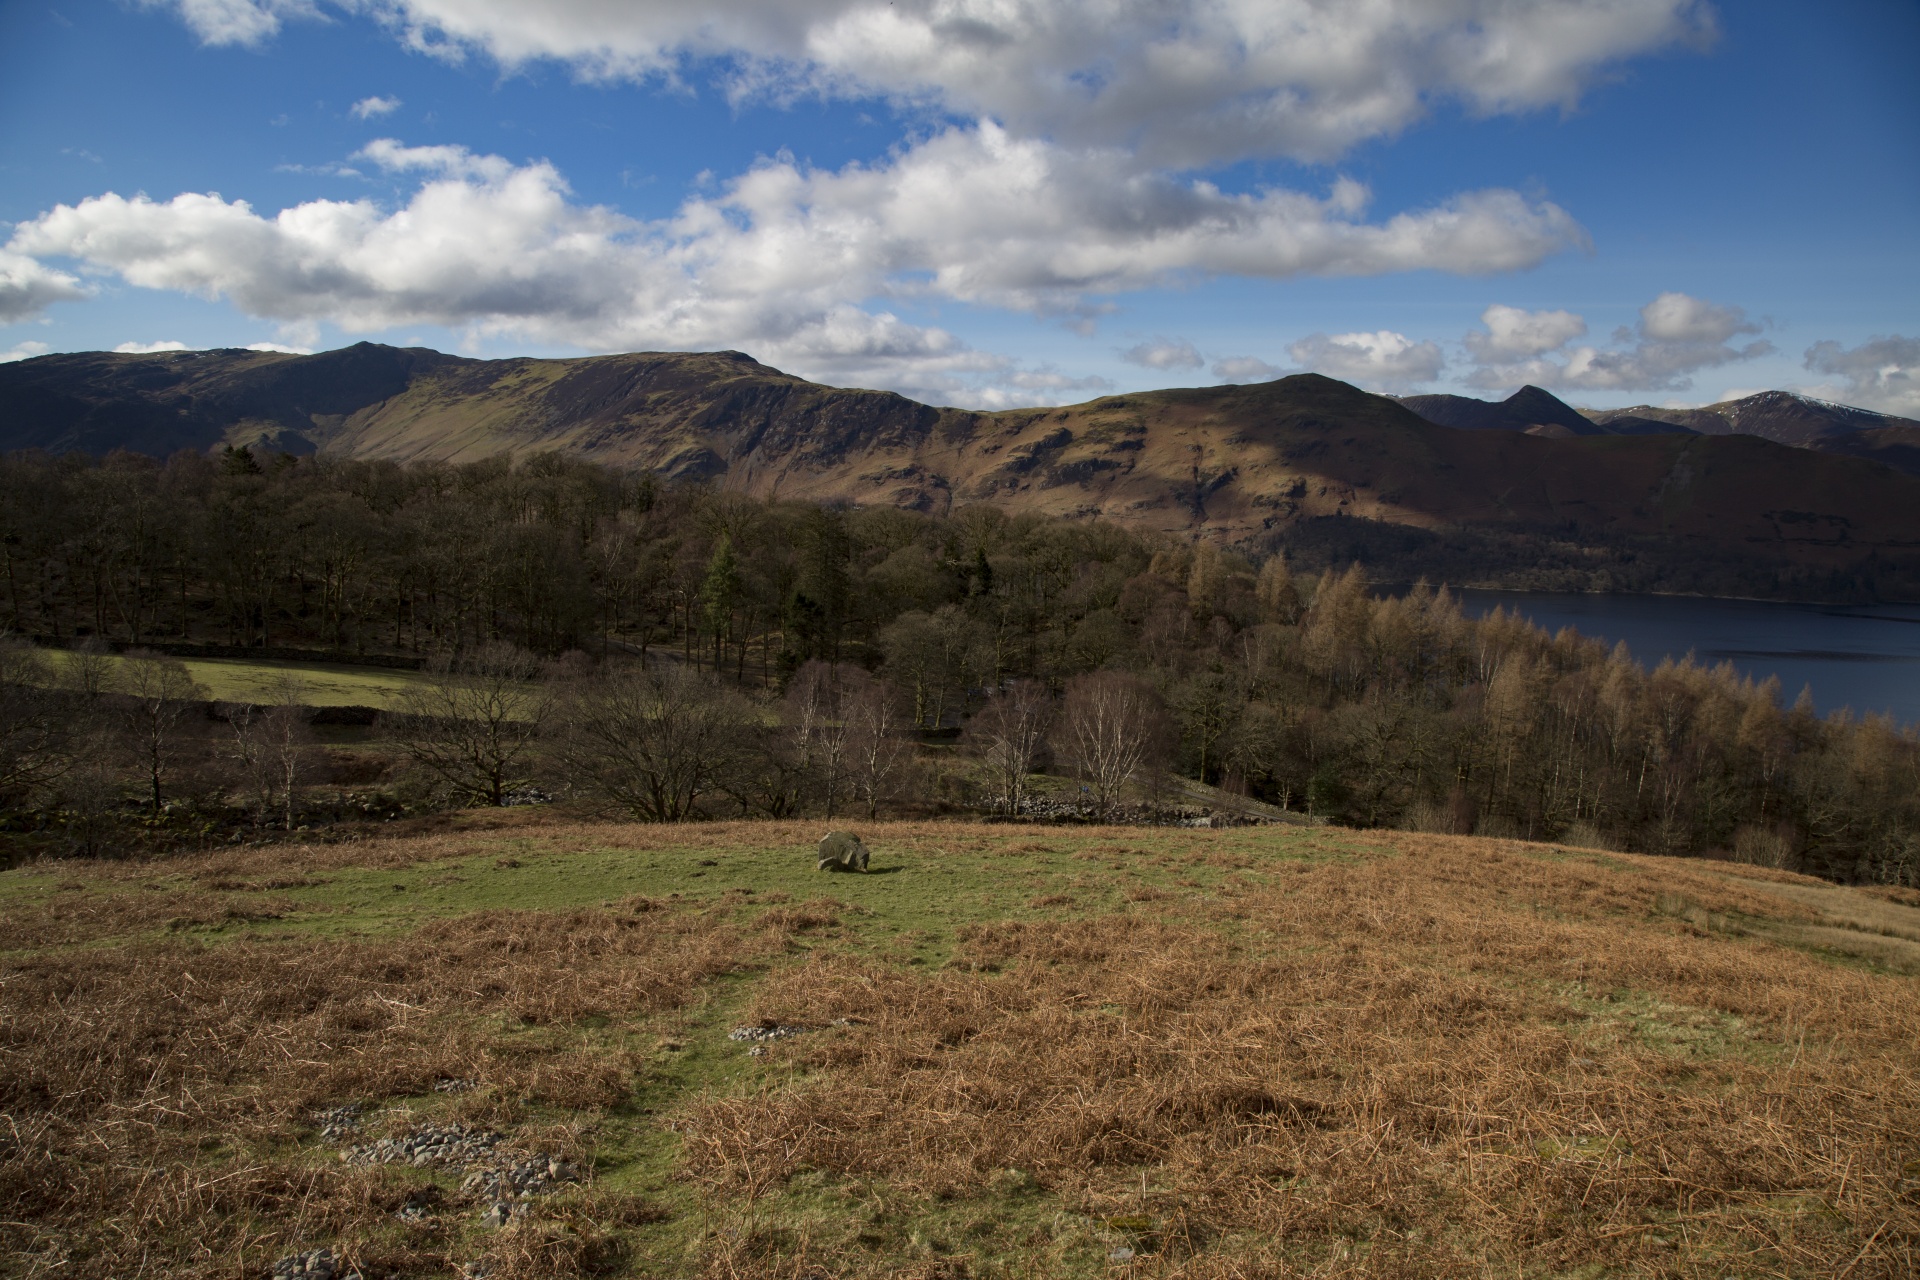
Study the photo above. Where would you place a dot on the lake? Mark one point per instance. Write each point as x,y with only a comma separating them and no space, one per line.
1862,656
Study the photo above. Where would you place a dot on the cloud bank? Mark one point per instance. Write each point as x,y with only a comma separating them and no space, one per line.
780,259
1675,337
28,287
1881,373
1164,353
1179,82
1047,163
1383,361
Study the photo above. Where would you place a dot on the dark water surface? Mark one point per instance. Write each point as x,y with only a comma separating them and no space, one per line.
1862,656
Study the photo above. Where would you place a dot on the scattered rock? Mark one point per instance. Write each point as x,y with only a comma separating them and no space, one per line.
497,1214
763,1032
525,795
420,1205
535,1176
314,1264
457,1084
339,1123
841,851
1120,1253
454,1145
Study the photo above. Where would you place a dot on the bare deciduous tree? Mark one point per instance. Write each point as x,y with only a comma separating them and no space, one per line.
35,729
1112,729
472,722
159,696
87,668
1008,734
815,713
877,749
653,741
272,744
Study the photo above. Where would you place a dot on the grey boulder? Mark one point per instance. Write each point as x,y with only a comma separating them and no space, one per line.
842,851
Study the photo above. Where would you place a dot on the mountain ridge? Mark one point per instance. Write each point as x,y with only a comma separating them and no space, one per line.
1258,465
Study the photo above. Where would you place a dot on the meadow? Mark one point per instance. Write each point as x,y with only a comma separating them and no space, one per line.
261,680
1006,1050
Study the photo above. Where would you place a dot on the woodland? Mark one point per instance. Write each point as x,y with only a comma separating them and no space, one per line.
678,652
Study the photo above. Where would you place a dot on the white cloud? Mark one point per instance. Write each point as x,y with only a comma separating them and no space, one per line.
281,348
1164,353
1021,388
1678,318
1676,336
151,348
27,287
368,108
780,260
1513,334
1245,369
1384,360
1882,373
443,160
24,351
242,22
1185,82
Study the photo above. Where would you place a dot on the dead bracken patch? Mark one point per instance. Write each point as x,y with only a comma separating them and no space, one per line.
1399,1065
120,1068
1349,1054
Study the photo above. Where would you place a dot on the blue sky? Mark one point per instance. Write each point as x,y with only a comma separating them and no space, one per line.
988,202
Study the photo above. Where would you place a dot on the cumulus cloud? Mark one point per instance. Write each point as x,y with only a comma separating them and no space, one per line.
1185,82
1245,369
784,260
241,22
151,348
368,108
27,287
1164,353
1881,373
1512,334
1678,318
1384,360
1676,336
24,351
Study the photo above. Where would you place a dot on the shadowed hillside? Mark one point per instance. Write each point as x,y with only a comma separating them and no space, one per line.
1773,415
1255,465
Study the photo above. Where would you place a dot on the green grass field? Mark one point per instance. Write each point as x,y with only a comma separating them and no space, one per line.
320,684
1026,1051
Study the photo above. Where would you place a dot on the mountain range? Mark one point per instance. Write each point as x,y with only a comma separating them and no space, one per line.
1621,499
1780,416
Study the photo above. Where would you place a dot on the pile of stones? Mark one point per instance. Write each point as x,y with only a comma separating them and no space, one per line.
452,1144
531,1177
314,1264
761,1035
339,1123
496,1178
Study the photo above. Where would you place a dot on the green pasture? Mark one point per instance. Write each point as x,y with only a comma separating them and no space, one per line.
320,684
918,890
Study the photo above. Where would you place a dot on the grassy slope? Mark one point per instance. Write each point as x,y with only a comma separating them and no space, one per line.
1261,1048
322,684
